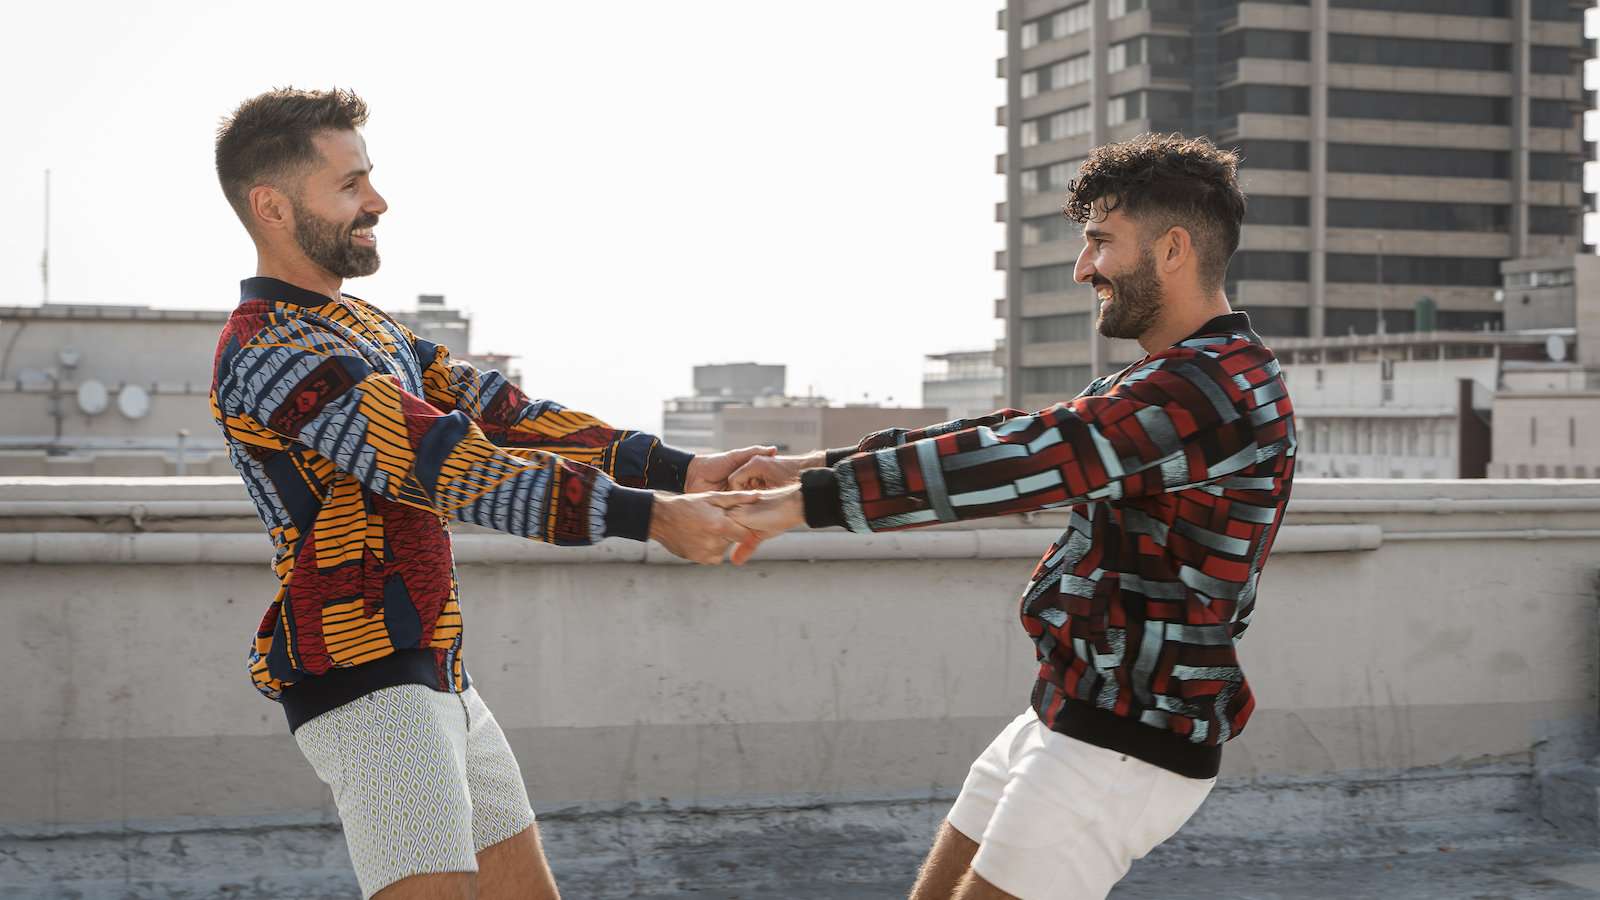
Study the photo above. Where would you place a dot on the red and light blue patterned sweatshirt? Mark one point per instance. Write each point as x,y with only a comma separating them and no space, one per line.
1177,472
358,442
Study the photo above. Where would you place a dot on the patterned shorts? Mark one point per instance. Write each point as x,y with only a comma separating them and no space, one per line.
423,780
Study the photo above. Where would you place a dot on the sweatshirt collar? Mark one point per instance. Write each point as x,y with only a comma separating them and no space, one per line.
261,287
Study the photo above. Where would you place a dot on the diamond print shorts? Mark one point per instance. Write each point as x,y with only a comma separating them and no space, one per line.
422,779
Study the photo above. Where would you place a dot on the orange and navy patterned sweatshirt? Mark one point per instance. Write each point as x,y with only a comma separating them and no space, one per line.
1177,472
358,442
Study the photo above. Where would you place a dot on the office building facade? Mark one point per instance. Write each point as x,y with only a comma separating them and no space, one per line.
1395,153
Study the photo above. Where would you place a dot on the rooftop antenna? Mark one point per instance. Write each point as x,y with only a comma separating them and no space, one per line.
44,261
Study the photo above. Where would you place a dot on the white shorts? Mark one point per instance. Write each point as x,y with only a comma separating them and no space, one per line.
1055,817
423,780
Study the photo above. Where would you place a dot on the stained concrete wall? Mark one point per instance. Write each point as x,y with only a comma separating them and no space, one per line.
1402,627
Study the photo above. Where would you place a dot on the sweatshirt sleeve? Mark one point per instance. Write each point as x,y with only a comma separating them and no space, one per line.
309,386
1191,416
517,424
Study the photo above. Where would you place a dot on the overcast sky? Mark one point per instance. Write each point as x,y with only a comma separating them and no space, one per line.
616,191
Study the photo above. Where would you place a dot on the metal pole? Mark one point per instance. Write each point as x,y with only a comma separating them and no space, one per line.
183,438
44,261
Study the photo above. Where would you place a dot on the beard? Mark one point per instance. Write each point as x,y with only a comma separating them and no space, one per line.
1135,301
331,247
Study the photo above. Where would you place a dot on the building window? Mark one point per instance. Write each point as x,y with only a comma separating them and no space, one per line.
1064,124
1058,75
1551,113
1124,108
1533,431
1051,178
1407,215
1556,11
1262,43
1433,162
1047,279
1563,220
1055,329
1362,268
1498,9
1280,321
1544,278
1369,50
1063,381
1555,167
1572,432
1265,154
1269,209
1125,55
1268,265
1055,26
1466,109
1044,229
1273,99
1553,60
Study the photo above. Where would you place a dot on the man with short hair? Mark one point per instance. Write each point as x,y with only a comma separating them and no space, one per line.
358,441
1176,471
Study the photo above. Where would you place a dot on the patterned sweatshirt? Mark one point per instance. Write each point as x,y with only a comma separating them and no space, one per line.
358,442
1177,471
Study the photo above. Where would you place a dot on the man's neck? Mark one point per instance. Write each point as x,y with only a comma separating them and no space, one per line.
302,273
1175,328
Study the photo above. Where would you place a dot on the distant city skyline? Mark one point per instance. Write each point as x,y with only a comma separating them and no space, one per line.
698,192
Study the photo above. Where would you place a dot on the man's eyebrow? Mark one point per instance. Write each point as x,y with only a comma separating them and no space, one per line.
354,172
1096,234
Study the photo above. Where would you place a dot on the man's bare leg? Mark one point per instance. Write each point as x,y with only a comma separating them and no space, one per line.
949,859
515,869
973,887
433,886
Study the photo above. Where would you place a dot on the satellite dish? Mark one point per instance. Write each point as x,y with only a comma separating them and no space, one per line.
133,401
1555,348
93,398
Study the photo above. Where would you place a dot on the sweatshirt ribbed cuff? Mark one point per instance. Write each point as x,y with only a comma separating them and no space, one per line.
628,513
834,457
668,468
819,491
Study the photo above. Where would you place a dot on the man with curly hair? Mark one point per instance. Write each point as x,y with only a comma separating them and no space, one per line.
1176,471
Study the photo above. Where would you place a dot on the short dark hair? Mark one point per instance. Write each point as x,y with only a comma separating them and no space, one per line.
269,136
1166,180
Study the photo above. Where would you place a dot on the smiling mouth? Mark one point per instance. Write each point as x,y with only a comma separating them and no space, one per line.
1103,292
364,236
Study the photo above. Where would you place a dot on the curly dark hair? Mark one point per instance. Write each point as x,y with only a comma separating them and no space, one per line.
1166,180
269,136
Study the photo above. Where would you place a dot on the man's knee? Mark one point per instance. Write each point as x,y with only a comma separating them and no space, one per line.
432,886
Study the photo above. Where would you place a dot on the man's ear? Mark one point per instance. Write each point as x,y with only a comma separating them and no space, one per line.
1176,246
270,208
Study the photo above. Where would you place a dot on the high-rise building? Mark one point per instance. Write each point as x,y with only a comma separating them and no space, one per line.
1395,153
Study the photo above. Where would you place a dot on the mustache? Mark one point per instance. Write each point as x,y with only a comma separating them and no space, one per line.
365,221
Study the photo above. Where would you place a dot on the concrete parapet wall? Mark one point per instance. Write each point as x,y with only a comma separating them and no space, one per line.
1404,630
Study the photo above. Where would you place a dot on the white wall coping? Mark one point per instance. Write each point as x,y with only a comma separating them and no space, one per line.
1366,514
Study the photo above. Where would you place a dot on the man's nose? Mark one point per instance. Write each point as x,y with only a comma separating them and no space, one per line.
376,204
1084,271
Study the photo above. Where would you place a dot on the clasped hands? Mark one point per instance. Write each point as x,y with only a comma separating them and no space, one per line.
735,499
